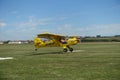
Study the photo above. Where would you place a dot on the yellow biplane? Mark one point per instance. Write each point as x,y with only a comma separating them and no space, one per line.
54,40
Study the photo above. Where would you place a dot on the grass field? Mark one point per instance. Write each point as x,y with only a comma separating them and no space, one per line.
95,61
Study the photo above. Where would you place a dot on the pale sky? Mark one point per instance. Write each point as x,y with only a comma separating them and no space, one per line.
23,19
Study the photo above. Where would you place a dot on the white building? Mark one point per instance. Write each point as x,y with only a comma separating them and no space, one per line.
15,42
1,43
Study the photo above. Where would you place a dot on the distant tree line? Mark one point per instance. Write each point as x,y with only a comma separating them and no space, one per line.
100,38
22,41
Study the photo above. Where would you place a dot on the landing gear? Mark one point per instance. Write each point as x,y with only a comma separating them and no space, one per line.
65,50
70,49
35,49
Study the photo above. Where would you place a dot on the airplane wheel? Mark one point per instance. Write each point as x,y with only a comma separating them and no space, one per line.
65,50
35,49
71,49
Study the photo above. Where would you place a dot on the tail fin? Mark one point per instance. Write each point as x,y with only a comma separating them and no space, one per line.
38,42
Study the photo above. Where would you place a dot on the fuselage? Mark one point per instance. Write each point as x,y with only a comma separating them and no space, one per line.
38,42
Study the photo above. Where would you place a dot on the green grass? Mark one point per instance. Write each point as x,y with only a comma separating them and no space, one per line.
96,61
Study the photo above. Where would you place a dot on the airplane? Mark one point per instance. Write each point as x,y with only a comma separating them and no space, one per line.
55,40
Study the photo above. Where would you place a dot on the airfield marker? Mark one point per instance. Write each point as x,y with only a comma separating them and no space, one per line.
4,58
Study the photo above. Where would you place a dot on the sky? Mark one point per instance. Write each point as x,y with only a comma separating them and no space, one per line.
24,19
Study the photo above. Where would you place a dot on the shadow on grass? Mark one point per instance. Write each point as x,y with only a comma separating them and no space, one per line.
45,53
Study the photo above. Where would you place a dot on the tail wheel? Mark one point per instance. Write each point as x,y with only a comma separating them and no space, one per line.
35,49
65,50
70,49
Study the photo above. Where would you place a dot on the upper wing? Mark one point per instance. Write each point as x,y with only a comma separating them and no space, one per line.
48,35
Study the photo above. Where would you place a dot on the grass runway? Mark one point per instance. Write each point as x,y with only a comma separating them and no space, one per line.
91,61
